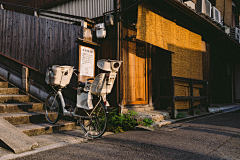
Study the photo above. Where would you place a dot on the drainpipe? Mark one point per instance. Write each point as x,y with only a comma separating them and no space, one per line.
118,6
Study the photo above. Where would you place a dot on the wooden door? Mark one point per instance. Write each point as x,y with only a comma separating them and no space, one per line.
161,77
135,73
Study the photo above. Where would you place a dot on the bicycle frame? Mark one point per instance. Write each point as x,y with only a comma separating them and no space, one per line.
91,97
73,114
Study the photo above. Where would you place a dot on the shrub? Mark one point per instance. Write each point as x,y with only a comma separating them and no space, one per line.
121,122
181,115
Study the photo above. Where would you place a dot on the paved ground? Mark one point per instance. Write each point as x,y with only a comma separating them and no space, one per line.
212,137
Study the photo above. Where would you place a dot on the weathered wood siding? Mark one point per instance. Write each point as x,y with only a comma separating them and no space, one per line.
38,42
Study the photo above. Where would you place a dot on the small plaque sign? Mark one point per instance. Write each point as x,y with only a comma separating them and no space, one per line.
87,61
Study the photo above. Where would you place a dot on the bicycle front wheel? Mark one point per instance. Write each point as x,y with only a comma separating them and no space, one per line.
52,105
96,124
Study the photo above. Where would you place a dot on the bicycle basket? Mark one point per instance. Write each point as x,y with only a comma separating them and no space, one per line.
59,76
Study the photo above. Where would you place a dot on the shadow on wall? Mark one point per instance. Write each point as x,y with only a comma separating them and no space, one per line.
183,62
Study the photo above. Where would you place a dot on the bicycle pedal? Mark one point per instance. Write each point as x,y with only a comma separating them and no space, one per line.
68,106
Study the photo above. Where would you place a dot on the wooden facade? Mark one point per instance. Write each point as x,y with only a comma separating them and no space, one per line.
185,59
38,42
166,54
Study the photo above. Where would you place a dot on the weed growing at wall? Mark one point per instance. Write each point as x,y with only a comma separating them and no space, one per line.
121,122
124,122
146,122
181,115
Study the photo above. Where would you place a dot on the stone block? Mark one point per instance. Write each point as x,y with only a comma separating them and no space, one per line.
149,108
138,109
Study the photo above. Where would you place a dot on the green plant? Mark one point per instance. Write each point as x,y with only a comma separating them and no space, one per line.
121,122
198,112
146,122
181,115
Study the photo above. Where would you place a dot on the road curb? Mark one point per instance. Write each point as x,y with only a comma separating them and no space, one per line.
220,110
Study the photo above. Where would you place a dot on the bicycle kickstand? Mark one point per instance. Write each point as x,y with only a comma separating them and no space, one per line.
86,136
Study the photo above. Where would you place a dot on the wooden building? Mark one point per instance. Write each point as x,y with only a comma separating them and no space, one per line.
173,55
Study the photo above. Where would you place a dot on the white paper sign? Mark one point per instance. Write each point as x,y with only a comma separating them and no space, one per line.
87,61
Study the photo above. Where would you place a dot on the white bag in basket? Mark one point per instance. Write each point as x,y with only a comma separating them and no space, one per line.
59,76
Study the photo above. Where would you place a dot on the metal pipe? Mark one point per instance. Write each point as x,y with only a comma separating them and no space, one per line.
63,19
110,11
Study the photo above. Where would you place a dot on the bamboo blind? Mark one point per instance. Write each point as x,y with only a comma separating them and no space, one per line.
186,46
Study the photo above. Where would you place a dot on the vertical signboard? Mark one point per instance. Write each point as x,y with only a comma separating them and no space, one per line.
86,63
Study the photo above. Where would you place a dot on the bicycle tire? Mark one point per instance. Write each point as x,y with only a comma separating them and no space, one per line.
52,108
96,125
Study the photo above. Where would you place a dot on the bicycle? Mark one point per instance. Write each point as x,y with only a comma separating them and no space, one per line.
91,105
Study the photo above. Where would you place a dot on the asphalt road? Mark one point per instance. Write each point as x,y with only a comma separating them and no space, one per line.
213,137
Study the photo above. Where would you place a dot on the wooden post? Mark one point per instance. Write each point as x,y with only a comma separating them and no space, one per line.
192,98
172,99
25,77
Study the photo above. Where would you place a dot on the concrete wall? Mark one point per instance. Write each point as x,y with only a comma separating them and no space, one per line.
16,79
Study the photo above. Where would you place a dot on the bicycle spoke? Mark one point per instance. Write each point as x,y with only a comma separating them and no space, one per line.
52,108
97,122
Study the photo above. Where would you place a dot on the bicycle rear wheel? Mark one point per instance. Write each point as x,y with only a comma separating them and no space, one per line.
52,105
96,124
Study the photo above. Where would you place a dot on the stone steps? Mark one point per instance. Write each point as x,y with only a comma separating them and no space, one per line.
3,84
20,107
9,91
43,128
24,117
26,112
137,109
155,115
14,98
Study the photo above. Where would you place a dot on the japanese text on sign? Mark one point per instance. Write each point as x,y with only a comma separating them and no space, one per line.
87,61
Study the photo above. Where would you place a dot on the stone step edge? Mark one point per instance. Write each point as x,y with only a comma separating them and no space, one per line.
9,91
171,121
14,98
3,84
137,109
49,128
32,98
19,104
20,107
24,117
